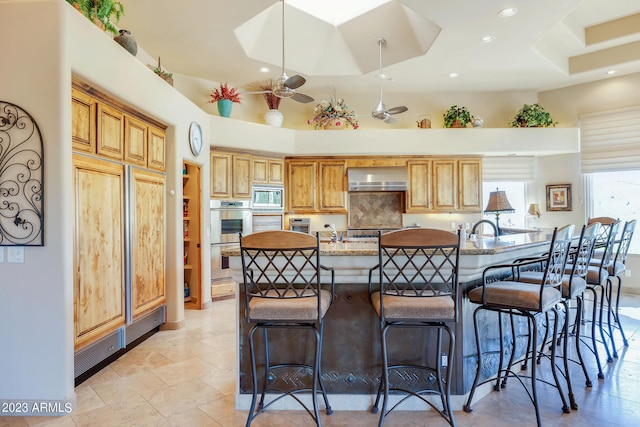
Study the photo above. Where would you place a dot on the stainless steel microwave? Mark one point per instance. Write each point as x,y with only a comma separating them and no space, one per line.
267,198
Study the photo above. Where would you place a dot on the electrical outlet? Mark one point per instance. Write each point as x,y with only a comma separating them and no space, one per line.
15,254
444,361
627,273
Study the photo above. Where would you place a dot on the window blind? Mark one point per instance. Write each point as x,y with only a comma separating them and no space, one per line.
507,168
610,140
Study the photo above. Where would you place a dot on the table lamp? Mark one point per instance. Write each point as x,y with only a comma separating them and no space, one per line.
534,212
498,203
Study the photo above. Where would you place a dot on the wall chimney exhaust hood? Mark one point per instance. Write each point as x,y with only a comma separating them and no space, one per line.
378,179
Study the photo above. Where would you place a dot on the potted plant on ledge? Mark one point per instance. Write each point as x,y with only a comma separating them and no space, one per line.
333,114
456,117
224,97
273,117
101,11
532,115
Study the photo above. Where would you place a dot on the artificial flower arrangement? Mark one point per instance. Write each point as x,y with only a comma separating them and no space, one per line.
334,109
225,92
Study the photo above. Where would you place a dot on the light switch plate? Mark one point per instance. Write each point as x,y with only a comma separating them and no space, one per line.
15,254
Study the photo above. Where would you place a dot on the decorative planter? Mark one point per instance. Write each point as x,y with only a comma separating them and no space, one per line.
224,107
457,124
335,124
274,118
127,41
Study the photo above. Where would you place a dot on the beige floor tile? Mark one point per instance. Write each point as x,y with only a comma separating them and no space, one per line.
131,412
128,388
186,370
182,396
139,361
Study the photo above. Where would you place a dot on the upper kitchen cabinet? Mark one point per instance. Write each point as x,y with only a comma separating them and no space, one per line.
241,181
332,196
221,164
419,195
470,185
156,151
110,142
268,170
103,126
301,186
83,121
316,186
444,185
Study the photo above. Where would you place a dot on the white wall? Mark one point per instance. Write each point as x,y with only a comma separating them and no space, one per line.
36,297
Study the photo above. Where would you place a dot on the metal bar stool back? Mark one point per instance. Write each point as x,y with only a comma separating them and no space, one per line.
502,292
616,270
283,290
417,293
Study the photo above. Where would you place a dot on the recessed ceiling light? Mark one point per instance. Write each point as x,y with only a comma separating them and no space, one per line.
611,72
453,75
264,70
487,39
508,12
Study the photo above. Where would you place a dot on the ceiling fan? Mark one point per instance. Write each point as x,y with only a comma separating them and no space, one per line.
381,112
285,86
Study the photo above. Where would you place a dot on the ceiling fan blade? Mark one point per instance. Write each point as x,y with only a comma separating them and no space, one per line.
397,110
300,97
294,82
260,92
390,120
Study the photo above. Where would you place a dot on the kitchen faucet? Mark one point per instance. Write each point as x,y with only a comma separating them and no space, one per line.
334,233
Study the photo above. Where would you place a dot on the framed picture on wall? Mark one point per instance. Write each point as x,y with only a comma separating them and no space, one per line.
559,197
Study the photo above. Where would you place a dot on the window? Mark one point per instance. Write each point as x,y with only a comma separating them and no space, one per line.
615,194
516,192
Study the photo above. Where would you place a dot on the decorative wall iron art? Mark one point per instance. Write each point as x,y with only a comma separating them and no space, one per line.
21,178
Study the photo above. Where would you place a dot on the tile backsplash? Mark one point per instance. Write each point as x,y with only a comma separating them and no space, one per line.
376,209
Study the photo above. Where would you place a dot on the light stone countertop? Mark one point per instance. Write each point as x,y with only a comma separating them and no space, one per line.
479,246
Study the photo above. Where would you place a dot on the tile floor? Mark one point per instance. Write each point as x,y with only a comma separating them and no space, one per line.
187,378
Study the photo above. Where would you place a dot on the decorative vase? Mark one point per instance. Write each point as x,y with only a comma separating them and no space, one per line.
273,118
456,124
127,41
334,124
224,107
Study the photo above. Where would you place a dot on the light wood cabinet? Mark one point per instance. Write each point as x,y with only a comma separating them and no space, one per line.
260,171
135,141
148,290
220,164
301,186
420,193
316,186
110,132
241,181
156,152
83,122
470,185
445,185
332,196
276,171
99,285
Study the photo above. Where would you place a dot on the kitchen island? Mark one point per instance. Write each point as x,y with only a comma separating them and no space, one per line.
351,348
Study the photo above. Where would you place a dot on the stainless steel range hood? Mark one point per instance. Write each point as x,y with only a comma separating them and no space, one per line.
378,179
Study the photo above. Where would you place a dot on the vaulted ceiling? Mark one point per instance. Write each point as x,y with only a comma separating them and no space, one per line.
548,44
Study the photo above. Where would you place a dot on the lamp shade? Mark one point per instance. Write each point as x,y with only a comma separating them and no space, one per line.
534,209
499,203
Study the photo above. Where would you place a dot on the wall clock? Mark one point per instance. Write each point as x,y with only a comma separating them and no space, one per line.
195,138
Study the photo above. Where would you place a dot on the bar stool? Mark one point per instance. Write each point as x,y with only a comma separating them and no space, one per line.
603,235
573,286
513,297
418,286
616,270
596,281
281,271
